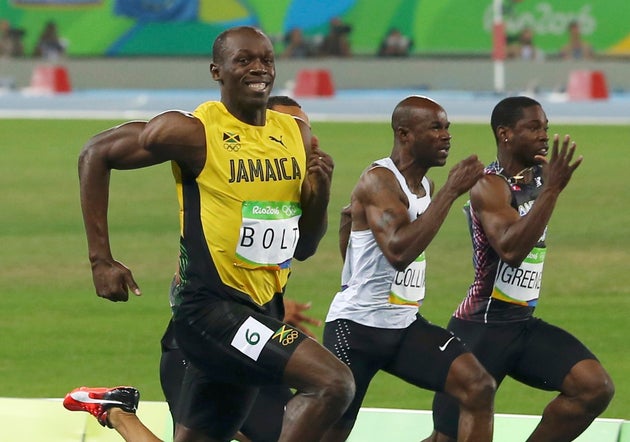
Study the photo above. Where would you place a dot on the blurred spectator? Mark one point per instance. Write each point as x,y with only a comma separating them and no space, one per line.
523,47
395,44
336,42
50,46
576,48
11,40
296,45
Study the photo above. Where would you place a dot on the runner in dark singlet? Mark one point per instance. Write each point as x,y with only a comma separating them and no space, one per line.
508,215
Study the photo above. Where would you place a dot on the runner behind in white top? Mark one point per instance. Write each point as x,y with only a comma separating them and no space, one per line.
373,323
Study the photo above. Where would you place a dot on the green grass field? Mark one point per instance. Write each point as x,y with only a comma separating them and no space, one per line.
56,334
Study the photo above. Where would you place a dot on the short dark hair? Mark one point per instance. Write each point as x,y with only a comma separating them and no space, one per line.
508,111
218,47
281,100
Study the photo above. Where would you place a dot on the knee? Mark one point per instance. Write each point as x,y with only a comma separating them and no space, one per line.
477,388
597,392
317,374
481,389
338,389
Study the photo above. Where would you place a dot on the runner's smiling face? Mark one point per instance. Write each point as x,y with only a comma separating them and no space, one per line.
246,67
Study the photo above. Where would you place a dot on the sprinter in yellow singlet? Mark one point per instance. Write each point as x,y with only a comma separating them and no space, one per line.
253,194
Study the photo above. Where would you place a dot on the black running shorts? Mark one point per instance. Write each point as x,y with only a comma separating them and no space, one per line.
233,350
420,354
533,352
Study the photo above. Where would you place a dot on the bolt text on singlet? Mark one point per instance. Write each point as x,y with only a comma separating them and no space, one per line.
270,238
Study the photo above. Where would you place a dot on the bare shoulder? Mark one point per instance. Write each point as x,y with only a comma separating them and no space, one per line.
175,115
305,131
175,123
490,190
177,136
377,182
124,131
173,128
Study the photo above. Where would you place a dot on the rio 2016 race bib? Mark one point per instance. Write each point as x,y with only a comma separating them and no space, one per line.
408,286
269,232
521,285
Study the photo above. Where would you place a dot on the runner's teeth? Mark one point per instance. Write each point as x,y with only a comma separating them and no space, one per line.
257,86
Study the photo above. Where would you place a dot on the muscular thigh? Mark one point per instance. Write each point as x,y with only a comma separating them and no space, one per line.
425,355
547,355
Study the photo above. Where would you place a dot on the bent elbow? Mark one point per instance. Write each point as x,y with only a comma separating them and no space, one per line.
513,259
303,253
82,159
399,267
399,263
86,156
303,256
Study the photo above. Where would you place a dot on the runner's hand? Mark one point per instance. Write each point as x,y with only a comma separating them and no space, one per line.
293,315
113,281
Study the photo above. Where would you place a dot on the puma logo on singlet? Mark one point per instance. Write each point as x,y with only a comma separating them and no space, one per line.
272,138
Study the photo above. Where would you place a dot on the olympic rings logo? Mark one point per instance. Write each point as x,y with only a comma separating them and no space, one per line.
232,147
290,338
289,210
